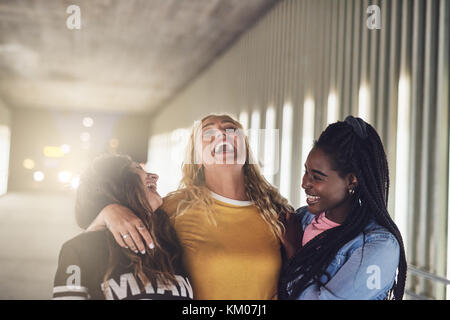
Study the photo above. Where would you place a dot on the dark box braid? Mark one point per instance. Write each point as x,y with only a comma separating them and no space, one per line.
353,146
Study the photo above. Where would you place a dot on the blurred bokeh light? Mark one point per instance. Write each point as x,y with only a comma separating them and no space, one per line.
88,122
38,176
28,164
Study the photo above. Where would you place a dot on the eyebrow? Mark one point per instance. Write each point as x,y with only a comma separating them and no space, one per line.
318,172
222,122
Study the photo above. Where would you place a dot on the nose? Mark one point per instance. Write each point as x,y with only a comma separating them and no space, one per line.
153,176
221,133
306,182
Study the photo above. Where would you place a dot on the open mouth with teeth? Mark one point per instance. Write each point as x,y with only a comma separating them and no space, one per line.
312,200
151,186
223,148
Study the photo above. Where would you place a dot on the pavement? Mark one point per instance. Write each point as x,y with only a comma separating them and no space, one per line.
33,226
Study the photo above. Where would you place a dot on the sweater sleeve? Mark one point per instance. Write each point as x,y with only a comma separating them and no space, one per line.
70,283
368,274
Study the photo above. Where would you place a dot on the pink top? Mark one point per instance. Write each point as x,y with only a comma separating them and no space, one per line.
319,224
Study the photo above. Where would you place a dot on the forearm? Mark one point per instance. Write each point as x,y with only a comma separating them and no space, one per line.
368,274
97,224
100,221
127,229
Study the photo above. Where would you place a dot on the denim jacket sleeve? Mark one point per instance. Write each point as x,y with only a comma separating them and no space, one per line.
368,273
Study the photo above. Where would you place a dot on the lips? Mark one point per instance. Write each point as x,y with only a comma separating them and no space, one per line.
151,185
312,199
223,147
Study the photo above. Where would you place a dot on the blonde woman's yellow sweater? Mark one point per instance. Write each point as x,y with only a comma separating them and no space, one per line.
238,258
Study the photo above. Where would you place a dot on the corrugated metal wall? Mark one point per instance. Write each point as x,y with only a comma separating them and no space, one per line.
5,141
316,61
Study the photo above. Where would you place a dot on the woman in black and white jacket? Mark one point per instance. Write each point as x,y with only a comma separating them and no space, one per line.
93,266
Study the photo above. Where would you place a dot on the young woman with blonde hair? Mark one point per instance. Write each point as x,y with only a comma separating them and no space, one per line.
225,214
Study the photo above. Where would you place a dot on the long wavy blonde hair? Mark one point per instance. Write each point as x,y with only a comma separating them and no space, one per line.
194,192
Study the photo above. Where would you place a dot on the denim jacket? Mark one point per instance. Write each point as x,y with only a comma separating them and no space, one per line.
357,272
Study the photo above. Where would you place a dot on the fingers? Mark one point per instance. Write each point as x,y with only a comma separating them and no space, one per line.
118,237
146,235
128,230
139,240
129,242
134,238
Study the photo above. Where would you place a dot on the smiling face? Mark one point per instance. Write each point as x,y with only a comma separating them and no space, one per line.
325,189
222,142
149,181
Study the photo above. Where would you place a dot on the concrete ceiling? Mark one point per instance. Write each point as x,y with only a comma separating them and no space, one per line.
128,56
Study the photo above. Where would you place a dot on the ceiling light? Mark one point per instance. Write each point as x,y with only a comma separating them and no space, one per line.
88,122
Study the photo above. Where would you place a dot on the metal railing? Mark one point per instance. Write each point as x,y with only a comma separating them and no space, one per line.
427,275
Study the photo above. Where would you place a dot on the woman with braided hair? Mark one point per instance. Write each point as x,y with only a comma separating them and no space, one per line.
344,244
